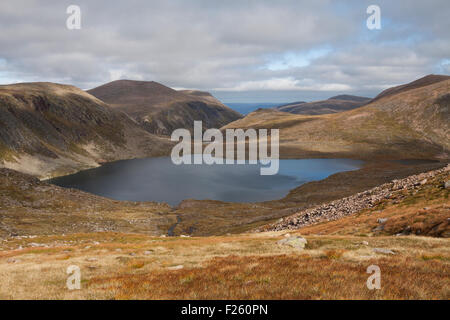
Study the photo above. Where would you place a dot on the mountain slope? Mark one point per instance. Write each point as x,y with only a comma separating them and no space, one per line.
419,192
332,105
49,129
32,207
161,109
422,82
410,124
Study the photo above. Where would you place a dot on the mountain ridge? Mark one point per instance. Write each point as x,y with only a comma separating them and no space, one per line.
160,109
419,83
50,129
408,124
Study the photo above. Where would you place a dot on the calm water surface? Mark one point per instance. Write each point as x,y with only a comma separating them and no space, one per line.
157,179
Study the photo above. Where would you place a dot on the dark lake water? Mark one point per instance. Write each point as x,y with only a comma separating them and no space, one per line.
158,179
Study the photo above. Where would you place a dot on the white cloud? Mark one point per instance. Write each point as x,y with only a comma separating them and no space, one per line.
285,46
270,84
285,84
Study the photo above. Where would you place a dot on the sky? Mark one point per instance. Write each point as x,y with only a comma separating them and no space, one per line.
241,51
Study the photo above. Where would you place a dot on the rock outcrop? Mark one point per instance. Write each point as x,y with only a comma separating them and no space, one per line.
296,242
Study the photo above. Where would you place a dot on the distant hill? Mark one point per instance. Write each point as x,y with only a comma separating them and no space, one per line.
49,129
413,123
422,82
347,97
332,105
245,108
160,109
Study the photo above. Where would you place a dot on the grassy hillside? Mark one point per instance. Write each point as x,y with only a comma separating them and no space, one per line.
160,109
422,82
409,124
49,129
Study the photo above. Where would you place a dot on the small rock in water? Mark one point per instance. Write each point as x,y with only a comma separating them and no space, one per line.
295,242
382,250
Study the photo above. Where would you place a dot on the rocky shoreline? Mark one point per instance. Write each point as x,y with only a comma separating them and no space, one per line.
337,209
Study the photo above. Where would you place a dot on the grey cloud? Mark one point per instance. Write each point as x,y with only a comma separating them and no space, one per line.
208,45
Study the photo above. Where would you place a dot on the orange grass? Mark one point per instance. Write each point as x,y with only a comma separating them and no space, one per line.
286,277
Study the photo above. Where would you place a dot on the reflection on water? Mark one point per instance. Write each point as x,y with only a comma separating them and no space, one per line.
158,179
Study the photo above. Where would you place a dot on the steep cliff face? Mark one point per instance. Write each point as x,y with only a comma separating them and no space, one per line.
49,129
160,109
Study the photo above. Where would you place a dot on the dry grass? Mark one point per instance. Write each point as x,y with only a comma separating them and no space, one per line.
253,266
286,277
